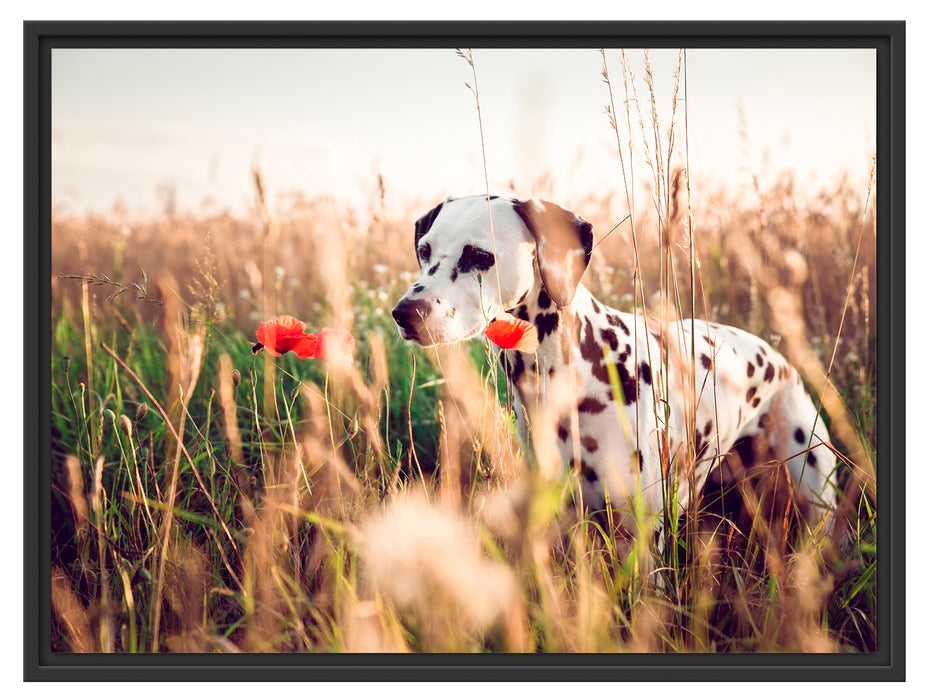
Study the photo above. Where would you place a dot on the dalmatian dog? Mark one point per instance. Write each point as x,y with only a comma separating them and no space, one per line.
688,396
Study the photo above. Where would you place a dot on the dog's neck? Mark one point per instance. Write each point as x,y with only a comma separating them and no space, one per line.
559,331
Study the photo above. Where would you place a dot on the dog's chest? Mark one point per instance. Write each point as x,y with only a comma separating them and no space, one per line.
590,377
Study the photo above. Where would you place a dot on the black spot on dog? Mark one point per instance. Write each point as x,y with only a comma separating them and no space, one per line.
562,431
546,324
417,288
432,270
645,374
589,347
591,476
455,275
764,421
595,307
770,372
592,352
628,384
750,369
544,301
522,313
640,459
811,460
618,322
589,443
610,337
708,340
756,402
591,405
708,426
705,361
800,436
751,392
475,259
744,448
517,365
759,359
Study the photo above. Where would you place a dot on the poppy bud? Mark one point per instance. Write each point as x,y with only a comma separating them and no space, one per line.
109,415
237,377
66,363
126,425
141,411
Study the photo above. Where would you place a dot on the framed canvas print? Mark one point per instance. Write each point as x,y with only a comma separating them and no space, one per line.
464,351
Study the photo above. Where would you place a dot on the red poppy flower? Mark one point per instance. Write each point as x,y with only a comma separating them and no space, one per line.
513,333
285,334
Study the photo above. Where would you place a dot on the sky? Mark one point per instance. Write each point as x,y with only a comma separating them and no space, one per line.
133,125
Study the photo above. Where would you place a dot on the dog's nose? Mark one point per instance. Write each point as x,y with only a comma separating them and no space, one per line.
408,314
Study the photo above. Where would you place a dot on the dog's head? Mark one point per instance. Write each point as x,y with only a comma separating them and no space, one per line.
480,256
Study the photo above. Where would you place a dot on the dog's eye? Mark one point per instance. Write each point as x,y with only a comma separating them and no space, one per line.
424,251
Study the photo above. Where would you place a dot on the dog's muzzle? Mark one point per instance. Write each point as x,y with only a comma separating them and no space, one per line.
409,314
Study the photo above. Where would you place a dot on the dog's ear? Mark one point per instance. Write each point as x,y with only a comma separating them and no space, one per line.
423,224
564,246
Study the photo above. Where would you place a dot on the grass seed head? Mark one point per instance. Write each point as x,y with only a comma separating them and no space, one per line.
428,562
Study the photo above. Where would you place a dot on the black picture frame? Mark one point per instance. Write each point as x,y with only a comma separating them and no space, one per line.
888,40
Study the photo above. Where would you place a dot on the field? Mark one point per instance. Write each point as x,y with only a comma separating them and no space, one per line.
209,499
